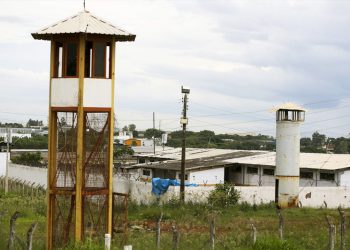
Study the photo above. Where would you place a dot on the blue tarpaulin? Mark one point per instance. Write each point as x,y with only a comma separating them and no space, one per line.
160,186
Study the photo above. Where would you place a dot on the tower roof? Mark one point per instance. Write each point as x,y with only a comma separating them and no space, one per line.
84,22
289,106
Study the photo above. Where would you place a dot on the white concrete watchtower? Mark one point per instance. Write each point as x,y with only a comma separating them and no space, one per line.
289,116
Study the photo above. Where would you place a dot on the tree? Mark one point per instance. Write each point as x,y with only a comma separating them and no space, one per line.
10,125
224,195
341,146
34,123
318,140
125,129
28,159
132,127
149,133
305,142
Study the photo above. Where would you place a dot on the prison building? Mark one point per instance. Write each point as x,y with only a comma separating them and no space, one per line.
241,167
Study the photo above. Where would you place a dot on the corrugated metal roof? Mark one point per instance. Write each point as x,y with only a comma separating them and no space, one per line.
204,157
197,163
191,153
83,22
307,160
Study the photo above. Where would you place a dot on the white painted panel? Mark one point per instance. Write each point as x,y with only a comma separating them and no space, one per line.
64,92
97,93
210,176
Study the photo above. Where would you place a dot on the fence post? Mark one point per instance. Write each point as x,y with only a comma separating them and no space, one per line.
175,238
107,241
212,233
253,232
342,228
158,231
331,233
281,223
12,230
30,235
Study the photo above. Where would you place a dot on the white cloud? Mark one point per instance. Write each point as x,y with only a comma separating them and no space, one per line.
237,57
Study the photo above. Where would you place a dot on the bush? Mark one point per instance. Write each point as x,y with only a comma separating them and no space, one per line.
224,195
28,159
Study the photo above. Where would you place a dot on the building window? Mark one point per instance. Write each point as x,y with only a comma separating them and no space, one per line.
236,169
142,160
252,170
306,175
268,171
186,177
146,172
327,176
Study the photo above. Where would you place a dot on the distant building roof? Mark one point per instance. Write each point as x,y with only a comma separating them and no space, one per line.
197,158
83,22
307,160
191,153
197,163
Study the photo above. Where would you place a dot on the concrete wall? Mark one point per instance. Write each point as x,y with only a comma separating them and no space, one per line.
344,178
2,163
29,174
141,191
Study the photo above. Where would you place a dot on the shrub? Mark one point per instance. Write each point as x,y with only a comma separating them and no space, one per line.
224,195
28,159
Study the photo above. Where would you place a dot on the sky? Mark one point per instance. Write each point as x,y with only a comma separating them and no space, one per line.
239,58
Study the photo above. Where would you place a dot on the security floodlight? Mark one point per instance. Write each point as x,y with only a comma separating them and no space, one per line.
185,90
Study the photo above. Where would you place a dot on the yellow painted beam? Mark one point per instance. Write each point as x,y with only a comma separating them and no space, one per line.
51,161
80,143
111,140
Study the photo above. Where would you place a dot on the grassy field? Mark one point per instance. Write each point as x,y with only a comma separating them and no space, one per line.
304,228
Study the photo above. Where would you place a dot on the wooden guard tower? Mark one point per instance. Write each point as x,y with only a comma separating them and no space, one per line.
80,127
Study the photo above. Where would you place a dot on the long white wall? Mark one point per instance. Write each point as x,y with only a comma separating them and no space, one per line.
2,163
28,174
141,191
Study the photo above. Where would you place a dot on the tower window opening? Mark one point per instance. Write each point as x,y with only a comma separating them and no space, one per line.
97,60
65,59
88,60
290,115
108,60
58,59
71,59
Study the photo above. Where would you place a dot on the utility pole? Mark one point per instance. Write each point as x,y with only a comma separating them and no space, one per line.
184,122
8,139
154,134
